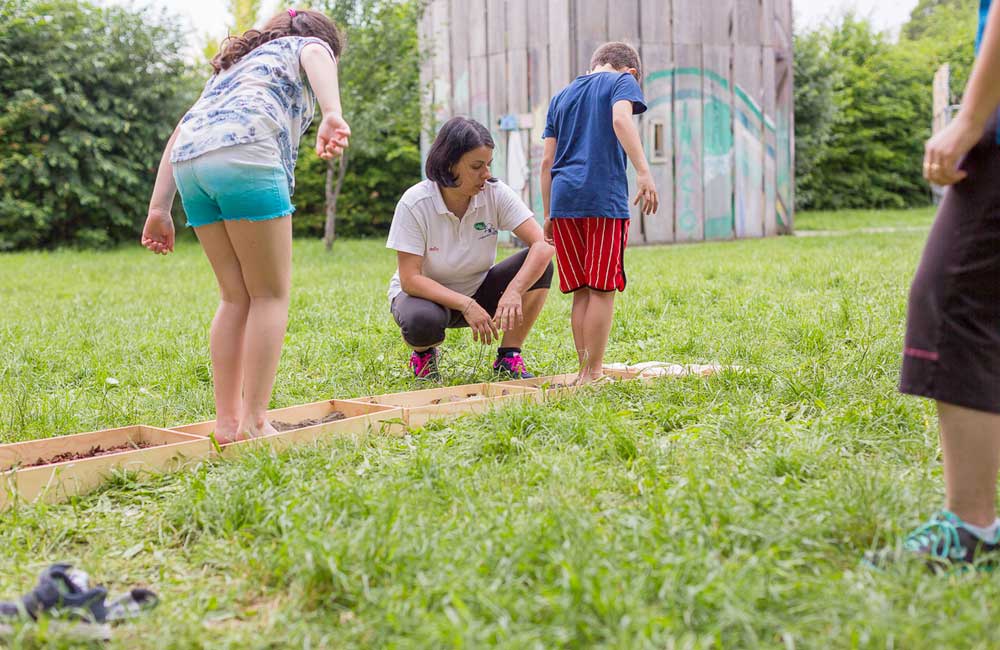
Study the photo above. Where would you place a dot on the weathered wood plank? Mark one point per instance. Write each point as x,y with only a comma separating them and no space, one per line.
460,85
658,141
747,25
591,18
770,143
717,21
687,22
539,94
496,23
656,27
441,21
748,146
785,142
562,70
717,136
425,38
689,211
623,23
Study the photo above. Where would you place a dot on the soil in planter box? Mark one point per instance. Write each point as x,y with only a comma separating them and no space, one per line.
288,426
93,452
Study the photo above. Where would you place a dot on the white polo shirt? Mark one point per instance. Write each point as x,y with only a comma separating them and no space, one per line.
457,252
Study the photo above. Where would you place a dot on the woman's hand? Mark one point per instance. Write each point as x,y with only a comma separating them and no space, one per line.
509,314
332,137
158,233
945,151
484,330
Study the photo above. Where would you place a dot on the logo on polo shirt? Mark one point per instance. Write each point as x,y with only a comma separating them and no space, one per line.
488,229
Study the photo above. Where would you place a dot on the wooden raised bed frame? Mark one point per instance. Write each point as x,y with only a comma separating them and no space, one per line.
357,414
419,406
54,482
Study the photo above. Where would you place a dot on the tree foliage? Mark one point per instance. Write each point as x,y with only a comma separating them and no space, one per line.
88,97
863,105
380,93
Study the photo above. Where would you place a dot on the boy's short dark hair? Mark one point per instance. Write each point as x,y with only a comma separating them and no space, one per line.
618,54
457,137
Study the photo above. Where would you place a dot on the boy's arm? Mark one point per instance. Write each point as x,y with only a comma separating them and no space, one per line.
321,70
628,135
548,158
944,152
158,232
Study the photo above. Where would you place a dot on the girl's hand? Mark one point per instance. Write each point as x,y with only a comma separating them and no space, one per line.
332,137
509,314
945,151
547,231
158,233
484,330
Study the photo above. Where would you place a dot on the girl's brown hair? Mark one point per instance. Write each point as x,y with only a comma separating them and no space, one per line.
292,22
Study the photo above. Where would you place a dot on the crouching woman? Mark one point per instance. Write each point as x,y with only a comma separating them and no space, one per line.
444,232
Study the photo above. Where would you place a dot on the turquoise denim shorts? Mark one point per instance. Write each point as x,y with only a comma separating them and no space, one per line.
232,183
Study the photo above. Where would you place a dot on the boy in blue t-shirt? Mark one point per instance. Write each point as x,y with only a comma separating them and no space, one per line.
588,133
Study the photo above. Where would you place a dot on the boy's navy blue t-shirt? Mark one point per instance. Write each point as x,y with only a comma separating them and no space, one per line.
588,174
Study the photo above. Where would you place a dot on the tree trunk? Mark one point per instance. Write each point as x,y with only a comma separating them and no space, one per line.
332,194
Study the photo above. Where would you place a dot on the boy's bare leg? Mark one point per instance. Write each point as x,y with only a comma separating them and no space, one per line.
581,298
970,446
265,252
596,330
227,331
531,307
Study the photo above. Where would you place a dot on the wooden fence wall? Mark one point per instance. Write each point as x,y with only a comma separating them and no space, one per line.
717,77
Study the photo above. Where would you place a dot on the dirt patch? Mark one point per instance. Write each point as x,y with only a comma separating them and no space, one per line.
289,426
93,452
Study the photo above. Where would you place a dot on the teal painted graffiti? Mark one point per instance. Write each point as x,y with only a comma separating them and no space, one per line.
687,176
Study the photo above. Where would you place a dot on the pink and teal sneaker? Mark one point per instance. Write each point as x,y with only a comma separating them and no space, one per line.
511,365
425,364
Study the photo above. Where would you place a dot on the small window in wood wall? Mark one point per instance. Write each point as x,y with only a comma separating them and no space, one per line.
658,140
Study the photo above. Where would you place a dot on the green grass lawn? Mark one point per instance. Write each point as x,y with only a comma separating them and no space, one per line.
862,219
728,512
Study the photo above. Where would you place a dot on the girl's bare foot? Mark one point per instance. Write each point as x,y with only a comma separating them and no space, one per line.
259,427
227,431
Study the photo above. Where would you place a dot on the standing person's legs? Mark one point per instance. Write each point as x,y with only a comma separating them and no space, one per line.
952,355
591,255
227,331
970,449
581,299
596,330
264,249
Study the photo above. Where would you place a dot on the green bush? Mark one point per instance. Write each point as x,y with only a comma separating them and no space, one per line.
863,105
88,97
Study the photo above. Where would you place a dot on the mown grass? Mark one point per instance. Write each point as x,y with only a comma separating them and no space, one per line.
728,512
861,219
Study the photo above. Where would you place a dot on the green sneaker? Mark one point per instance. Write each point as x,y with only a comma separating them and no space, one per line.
943,543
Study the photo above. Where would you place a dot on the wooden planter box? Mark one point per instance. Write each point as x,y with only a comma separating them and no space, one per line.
373,418
419,406
352,410
557,385
55,481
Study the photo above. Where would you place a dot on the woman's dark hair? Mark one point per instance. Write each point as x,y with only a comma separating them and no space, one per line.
457,137
292,22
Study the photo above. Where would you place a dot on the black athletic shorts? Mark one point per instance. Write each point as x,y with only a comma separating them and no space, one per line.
952,347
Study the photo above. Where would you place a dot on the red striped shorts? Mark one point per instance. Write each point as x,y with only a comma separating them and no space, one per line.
590,252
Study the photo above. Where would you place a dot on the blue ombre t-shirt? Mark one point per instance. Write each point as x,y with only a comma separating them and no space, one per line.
588,174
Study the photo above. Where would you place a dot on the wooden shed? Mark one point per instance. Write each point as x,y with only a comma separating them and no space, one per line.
717,77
